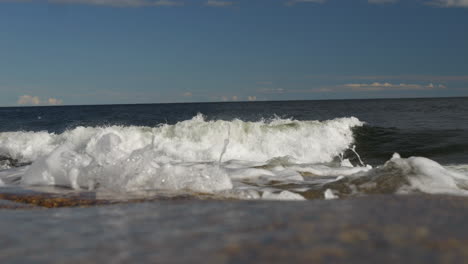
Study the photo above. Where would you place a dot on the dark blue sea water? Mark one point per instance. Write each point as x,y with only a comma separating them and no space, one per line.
267,144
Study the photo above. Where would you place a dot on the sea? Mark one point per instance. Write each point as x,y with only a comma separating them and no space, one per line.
291,150
338,181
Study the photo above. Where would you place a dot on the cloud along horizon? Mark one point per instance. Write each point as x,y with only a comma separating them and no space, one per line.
30,100
449,3
376,86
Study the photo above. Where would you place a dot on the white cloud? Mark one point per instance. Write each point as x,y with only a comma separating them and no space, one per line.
35,100
382,1
219,3
252,98
449,3
429,78
224,3
226,98
29,100
294,2
54,101
12,1
376,86
120,3
187,94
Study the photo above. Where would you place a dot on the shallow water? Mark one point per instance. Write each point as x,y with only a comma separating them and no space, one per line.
384,229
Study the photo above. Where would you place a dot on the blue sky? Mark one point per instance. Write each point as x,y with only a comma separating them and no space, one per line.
144,51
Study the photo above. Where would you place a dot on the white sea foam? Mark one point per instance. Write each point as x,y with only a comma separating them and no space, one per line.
428,176
283,195
199,140
329,195
4,165
12,174
324,170
187,155
26,146
211,156
461,168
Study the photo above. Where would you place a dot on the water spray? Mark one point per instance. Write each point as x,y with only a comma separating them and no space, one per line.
353,149
226,143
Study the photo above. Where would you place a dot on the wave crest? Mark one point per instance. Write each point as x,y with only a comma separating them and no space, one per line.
195,140
180,156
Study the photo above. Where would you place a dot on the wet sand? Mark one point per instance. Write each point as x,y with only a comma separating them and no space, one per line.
372,229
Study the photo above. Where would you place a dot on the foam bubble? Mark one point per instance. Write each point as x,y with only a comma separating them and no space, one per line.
284,195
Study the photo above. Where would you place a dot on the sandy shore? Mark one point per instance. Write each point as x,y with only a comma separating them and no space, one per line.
373,229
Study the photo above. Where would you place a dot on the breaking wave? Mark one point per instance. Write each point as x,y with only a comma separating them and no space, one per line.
269,159
192,140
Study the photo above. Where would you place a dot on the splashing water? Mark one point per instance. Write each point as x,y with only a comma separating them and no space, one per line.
276,159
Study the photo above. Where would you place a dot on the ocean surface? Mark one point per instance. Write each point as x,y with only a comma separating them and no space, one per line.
292,150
